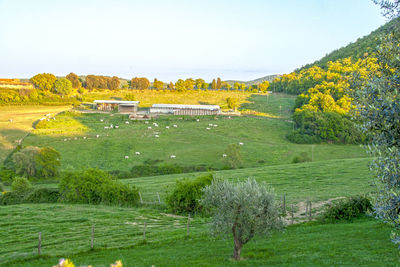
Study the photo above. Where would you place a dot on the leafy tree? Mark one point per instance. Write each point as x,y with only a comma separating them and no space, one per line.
244,209
236,86
21,185
171,85
63,86
233,103
233,156
189,84
213,84
180,85
113,83
378,106
24,161
158,84
44,81
199,83
264,86
47,162
74,79
219,85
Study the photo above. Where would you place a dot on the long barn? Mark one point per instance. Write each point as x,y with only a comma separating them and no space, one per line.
122,106
192,110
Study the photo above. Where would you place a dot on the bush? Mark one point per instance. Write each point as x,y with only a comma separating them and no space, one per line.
149,169
186,194
303,157
21,185
6,175
347,209
1,187
96,187
11,198
43,195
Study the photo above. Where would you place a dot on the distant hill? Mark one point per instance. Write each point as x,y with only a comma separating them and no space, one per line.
359,48
256,81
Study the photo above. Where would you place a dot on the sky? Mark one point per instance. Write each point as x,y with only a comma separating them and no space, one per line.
168,40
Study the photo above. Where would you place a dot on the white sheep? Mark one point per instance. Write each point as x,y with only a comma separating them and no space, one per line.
116,126
101,120
172,156
197,120
106,127
157,136
208,128
84,137
65,140
97,136
111,126
166,127
210,124
224,155
127,122
126,157
215,125
241,144
146,122
175,126
48,115
76,138
149,127
137,153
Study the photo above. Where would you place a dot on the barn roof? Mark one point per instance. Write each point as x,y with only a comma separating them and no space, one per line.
116,102
181,106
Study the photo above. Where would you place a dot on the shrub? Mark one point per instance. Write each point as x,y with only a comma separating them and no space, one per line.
43,195
96,187
21,185
1,187
186,194
11,198
347,209
303,157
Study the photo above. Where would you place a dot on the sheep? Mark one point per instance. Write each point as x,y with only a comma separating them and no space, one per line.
215,125
149,127
157,136
97,136
166,127
210,124
84,137
208,128
48,115
11,120
172,156
224,155
175,126
106,127
241,144
156,125
65,140
116,126
146,122
111,126
101,120
126,157
41,119
76,138
137,153
127,122
197,120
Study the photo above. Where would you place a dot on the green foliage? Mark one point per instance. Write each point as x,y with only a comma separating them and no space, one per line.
233,103
140,83
21,185
6,175
63,86
243,209
44,81
96,187
186,193
1,187
233,156
316,127
347,209
130,97
303,157
25,161
164,169
74,79
42,195
12,198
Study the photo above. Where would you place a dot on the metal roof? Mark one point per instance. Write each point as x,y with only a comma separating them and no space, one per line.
116,102
180,106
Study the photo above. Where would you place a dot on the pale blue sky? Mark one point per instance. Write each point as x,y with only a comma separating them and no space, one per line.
232,39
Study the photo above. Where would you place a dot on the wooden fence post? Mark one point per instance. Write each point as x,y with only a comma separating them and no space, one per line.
144,231
159,200
40,243
92,238
188,224
292,214
140,196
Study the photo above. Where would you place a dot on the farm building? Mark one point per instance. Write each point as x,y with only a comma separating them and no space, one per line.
192,110
122,106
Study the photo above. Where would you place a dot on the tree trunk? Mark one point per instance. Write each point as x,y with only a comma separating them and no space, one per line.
237,249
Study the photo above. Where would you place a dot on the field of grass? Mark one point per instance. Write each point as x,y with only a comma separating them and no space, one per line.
277,104
149,97
192,144
22,119
364,242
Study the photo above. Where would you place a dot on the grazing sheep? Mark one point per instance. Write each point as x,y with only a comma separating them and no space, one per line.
149,127
166,127
126,157
54,118
41,119
157,136
175,126
127,122
111,126
76,138
146,122
210,124
48,115
105,127
197,120
65,140
241,144
97,136
208,128
172,156
84,137
137,153
101,120
215,125
224,155
116,126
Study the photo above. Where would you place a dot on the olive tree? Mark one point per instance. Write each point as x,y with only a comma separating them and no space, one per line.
244,209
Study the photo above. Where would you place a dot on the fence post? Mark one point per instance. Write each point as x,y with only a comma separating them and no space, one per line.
144,231
159,200
284,204
40,243
188,224
92,239
140,196
310,210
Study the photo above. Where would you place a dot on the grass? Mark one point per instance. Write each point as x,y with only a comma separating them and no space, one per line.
364,242
22,119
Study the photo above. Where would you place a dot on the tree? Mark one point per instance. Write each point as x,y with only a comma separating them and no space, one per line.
233,103
24,161
213,84
264,86
244,209
233,156
44,81
219,85
158,84
236,86
140,83
74,79
171,85
378,105
199,83
63,86
47,162
189,84
180,85
113,83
